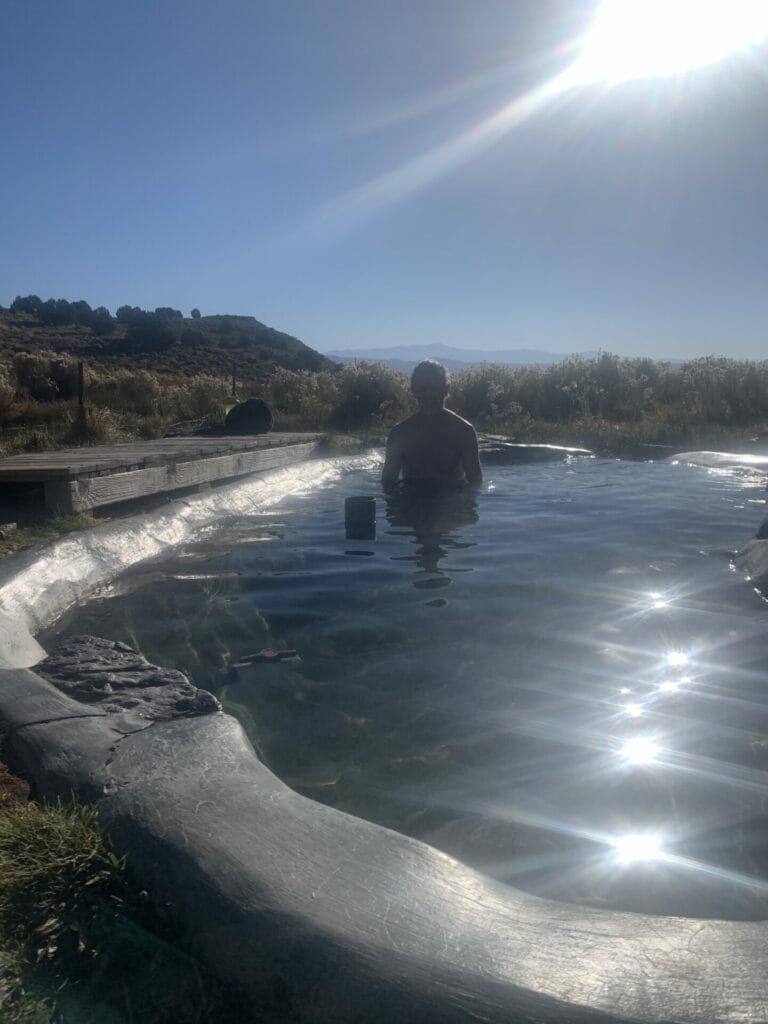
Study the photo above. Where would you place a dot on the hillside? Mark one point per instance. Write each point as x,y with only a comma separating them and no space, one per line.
164,344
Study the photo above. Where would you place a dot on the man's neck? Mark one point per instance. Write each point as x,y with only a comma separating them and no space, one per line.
431,410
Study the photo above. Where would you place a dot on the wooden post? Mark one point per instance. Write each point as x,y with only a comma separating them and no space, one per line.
234,379
82,421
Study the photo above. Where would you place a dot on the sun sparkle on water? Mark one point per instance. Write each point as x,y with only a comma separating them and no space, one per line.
676,659
640,750
637,847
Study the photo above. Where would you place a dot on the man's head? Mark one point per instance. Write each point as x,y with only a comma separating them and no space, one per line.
429,385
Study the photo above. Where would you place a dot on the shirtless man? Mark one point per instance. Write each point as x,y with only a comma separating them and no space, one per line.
434,445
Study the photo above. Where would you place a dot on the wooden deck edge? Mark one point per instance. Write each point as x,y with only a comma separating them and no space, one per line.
69,496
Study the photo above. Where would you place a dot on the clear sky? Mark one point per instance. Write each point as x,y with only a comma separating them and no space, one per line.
329,167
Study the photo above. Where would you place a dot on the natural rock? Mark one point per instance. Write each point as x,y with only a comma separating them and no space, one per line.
112,675
253,416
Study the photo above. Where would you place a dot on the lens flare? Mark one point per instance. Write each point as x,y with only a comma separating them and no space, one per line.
673,685
629,39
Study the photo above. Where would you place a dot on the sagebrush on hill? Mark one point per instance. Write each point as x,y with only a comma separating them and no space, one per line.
606,402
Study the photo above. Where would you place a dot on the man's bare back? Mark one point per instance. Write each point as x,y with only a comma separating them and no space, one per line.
434,445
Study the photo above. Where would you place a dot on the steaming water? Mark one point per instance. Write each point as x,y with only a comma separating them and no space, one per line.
561,683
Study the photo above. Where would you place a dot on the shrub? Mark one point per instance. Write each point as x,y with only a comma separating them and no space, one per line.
95,425
7,387
192,339
133,391
127,314
46,376
148,333
27,304
101,321
370,394
302,399
199,398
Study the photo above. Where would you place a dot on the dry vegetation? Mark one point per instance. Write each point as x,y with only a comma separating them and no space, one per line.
157,373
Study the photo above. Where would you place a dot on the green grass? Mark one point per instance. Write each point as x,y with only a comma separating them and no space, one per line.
79,937
36,526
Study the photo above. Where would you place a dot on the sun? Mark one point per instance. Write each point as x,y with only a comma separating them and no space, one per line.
647,38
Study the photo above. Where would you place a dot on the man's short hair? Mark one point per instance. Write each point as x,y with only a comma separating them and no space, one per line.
432,370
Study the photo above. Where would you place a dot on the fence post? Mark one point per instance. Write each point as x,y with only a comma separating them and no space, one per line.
82,420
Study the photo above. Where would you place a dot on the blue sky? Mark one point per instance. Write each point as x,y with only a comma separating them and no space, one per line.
220,155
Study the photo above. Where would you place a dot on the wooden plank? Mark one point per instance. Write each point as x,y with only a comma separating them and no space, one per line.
76,462
78,495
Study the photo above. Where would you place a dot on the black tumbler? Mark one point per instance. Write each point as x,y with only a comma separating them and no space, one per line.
360,518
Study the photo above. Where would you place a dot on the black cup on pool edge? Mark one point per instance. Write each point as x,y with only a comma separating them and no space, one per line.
360,518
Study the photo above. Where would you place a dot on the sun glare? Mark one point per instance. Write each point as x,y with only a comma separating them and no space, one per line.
646,38
632,848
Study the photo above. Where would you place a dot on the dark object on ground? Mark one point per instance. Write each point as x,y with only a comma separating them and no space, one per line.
253,416
112,675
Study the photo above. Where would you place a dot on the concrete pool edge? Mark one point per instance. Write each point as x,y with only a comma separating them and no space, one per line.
37,586
324,917
320,916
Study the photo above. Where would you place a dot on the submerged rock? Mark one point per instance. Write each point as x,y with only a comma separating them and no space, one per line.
112,675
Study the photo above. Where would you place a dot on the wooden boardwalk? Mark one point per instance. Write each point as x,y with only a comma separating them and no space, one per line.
76,479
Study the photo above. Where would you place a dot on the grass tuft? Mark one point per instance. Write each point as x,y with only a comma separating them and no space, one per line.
79,939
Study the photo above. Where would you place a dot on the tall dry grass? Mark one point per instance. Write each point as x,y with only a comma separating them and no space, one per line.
607,402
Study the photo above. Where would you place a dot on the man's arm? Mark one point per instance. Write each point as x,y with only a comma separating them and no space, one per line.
390,474
470,458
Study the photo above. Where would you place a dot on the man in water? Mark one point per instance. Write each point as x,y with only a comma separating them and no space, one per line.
434,446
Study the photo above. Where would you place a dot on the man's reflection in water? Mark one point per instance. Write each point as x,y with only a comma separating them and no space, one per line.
433,512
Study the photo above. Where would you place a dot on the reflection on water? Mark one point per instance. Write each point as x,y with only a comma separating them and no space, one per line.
434,516
581,711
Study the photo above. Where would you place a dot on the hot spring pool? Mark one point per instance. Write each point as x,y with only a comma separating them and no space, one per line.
561,682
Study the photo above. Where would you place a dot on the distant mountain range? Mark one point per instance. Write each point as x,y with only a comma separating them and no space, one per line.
405,357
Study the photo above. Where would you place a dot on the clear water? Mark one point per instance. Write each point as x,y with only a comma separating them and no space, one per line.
562,682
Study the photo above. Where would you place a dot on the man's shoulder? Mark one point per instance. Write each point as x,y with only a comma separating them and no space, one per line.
458,422
401,429
405,424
